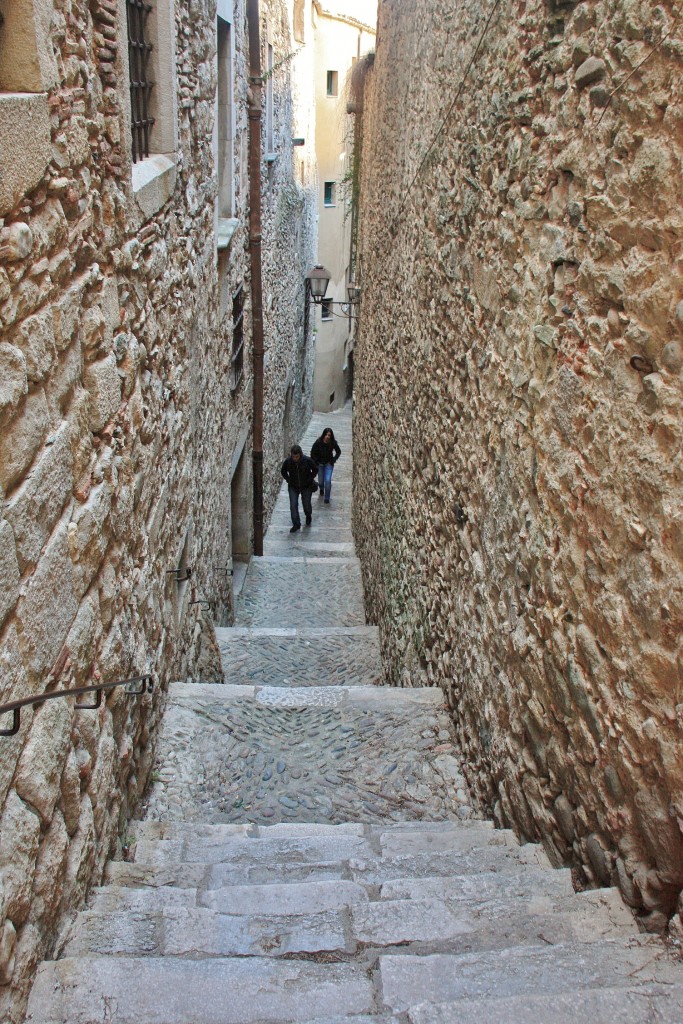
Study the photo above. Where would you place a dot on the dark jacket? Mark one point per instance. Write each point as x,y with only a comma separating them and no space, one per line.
300,475
323,453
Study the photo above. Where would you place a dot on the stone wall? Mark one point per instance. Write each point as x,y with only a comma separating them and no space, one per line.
119,428
517,427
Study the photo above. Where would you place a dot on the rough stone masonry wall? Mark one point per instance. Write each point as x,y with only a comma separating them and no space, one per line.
518,398
118,427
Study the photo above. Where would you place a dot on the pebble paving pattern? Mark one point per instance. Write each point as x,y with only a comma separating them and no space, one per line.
302,732
302,660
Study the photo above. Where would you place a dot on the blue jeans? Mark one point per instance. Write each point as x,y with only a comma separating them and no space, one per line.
294,504
325,479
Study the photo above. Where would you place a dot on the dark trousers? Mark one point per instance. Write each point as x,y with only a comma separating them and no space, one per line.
294,504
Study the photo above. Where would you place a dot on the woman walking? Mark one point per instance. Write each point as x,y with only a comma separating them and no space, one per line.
325,453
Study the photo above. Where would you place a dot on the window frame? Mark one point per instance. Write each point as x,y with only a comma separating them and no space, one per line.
326,311
332,202
332,83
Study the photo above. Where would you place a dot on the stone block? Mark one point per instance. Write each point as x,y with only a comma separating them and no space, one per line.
36,338
39,772
70,793
16,242
9,570
64,378
25,145
8,942
37,505
293,898
89,533
48,606
103,384
13,377
592,70
66,314
14,684
22,439
47,882
80,860
19,842
277,990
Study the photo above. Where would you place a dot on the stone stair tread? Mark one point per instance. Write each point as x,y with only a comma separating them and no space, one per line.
524,970
370,870
236,849
271,921
485,885
179,830
168,990
377,697
227,633
642,1004
492,924
200,931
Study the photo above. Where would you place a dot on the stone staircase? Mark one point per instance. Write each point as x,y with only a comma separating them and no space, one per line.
309,852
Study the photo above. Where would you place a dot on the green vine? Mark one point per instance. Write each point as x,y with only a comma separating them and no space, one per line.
276,67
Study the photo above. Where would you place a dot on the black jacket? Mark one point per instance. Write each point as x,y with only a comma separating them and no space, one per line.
300,475
323,453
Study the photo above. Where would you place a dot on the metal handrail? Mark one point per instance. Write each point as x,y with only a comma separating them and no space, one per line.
145,683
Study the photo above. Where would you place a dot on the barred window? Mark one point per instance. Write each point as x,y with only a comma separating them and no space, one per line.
141,85
237,336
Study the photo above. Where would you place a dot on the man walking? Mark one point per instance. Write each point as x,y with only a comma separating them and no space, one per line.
300,472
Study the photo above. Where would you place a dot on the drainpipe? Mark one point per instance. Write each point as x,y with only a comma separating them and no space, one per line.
255,262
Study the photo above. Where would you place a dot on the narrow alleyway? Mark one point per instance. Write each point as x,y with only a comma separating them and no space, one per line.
309,852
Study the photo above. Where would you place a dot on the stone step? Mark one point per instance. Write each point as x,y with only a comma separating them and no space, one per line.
523,971
457,926
158,990
372,870
216,846
178,830
338,917
289,592
203,932
314,657
637,1004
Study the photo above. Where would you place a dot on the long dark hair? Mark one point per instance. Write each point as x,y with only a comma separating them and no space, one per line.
330,431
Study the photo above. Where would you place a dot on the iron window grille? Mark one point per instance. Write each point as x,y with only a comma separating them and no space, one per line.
139,49
237,360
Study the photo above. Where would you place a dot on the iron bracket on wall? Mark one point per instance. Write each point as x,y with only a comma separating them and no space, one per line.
227,569
177,573
135,687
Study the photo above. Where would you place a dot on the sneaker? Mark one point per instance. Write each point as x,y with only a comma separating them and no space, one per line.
308,520
293,529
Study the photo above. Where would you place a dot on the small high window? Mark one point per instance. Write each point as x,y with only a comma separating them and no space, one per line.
225,116
141,84
332,83
237,336
329,193
326,309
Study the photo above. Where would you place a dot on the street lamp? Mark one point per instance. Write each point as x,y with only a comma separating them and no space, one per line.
318,280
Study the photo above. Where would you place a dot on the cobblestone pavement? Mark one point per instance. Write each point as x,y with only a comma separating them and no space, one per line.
330,656
326,754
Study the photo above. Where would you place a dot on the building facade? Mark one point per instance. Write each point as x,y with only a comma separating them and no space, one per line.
127,397
344,33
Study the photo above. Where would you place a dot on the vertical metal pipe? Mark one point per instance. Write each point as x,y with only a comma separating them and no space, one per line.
255,84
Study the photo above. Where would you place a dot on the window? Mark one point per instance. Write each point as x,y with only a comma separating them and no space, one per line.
237,336
299,20
153,101
329,193
225,119
332,398
326,309
332,83
141,84
307,308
